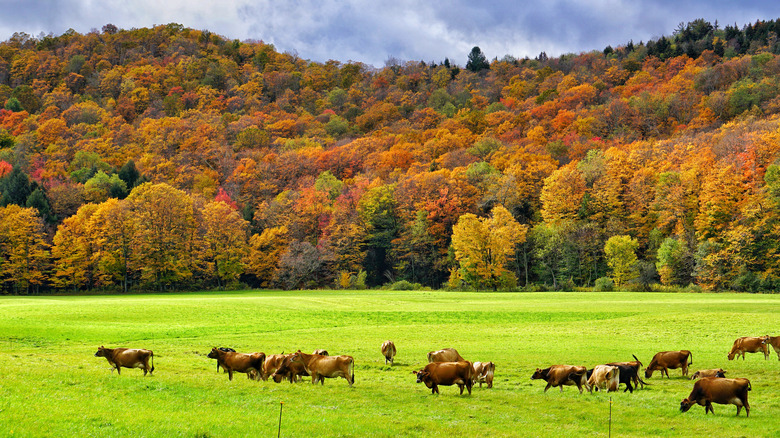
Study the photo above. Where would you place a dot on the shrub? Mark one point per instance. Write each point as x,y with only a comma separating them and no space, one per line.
603,284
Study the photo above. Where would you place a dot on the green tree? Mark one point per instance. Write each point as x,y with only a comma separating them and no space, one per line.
621,258
477,60
15,187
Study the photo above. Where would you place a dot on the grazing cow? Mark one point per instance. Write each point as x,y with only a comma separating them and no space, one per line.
292,371
708,390
748,344
483,372
447,373
774,341
223,349
629,373
604,377
271,364
388,351
720,372
666,360
445,355
320,367
320,351
249,363
559,375
127,358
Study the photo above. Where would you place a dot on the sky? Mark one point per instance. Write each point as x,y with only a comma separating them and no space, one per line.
373,32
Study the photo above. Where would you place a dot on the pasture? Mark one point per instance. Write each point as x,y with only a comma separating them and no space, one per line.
52,384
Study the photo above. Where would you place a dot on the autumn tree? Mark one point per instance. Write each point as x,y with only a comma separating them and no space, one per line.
24,254
74,251
113,230
165,233
225,240
483,248
621,258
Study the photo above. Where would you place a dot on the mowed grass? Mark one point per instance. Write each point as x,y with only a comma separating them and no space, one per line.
52,385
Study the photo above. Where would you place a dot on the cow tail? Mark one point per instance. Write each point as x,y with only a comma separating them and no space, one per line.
352,370
150,372
690,356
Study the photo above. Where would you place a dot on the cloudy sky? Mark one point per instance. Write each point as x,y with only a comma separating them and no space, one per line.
375,31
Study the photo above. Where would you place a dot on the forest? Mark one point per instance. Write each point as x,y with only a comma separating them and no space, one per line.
170,158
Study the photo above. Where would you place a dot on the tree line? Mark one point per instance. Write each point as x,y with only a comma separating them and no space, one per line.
172,158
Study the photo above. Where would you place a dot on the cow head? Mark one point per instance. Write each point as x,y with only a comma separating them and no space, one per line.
686,404
720,373
296,357
649,373
731,355
214,353
101,352
421,375
538,374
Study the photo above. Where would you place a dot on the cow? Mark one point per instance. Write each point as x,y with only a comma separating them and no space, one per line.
271,364
459,373
774,341
559,375
629,373
483,372
720,372
708,390
223,349
748,344
320,367
292,371
249,363
604,377
666,360
320,351
445,355
127,358
388,351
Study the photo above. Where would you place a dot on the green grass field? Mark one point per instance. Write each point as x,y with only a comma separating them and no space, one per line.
52,385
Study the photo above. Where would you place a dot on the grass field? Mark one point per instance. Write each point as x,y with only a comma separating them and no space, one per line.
52,385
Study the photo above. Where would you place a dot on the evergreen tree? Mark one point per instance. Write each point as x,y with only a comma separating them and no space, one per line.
16,188
477,60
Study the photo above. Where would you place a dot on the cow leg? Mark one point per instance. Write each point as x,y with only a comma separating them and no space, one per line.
629,387
747,407
547,387
118,371
230,373
460,386
469,385
708,408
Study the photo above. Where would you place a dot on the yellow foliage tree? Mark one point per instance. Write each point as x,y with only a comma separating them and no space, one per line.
24,254
225,239
73,250
484,246
165,233
112,230
263,254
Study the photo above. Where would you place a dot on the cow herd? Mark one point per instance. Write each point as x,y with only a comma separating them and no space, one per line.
447,367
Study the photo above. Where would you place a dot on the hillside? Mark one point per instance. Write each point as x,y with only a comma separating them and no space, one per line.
173,158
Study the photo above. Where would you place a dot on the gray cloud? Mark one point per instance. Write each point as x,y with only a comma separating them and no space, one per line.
372,32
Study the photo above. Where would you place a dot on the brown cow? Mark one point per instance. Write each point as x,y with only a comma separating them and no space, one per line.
388,351
483,372
666,360
447,373
292,371
271,364
748,344
719,390
320,367
445,355
249,363
774,341
127,358
559,375
720,372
